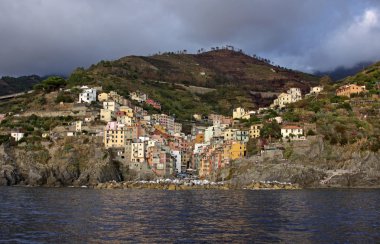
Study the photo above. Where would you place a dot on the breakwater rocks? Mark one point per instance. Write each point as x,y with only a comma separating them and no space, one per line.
194,185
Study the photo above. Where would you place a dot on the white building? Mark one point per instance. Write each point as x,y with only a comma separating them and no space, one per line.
240,113
87,95
177,128
199,147
296,94
212,131
178,160
124,120
113,106
315,90
291,132
229,134
138,152
291,96
278,119
78,126
138,96
17,135
282,100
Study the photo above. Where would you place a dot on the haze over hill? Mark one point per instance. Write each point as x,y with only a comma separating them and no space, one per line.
342,72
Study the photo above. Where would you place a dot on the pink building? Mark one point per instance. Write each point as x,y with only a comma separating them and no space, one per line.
2,117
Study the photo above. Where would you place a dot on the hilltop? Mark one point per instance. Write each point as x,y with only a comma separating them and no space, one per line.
178,81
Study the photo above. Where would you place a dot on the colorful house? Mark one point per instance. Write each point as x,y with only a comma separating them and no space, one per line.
350,89
254,131
291,131
238,150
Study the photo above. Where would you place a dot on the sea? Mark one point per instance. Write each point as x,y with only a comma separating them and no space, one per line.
79,215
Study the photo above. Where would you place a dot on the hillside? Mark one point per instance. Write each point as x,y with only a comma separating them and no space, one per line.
237,79
9,85
340,145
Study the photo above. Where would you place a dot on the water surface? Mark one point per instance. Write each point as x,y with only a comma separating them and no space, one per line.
68,215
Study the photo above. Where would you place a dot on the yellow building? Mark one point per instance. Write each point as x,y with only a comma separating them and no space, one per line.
347,90
226,152
102,97
114,135
238,150
160,128
229,134
106,115
282,100
240,113
254,131
127,110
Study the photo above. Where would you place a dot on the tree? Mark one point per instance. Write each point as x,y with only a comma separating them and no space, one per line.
79,77
326,82
50,84
271,130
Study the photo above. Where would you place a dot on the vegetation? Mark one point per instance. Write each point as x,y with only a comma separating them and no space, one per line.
9,85
166,76
271,130
64,97
34,123
50,84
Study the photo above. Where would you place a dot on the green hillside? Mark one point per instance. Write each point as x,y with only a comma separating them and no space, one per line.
9,85
166,77
369,77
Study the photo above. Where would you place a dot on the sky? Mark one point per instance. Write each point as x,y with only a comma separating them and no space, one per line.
54,36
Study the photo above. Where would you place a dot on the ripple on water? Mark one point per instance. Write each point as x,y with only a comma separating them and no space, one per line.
69,215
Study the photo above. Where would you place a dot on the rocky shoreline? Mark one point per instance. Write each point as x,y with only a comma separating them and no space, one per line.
194,185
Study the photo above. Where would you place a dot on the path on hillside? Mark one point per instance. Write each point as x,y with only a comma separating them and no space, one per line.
15,95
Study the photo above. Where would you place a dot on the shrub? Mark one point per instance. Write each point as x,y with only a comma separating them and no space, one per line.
62,97
345,106
310,132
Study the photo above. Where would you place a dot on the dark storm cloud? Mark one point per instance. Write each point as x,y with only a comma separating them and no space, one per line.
52,36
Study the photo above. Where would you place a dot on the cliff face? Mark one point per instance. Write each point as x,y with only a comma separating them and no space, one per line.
311,163
73,161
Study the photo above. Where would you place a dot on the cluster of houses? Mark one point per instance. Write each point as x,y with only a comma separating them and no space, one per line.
154,143
145,142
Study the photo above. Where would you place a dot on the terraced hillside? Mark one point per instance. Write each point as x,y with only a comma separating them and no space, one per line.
237,79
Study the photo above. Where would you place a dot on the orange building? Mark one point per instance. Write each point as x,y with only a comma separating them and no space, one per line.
347,90
199,138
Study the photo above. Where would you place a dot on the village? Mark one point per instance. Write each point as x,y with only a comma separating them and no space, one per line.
154,143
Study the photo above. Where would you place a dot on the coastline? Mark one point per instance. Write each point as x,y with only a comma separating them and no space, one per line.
197,185
131,185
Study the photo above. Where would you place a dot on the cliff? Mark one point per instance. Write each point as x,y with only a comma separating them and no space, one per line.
312,163
71,161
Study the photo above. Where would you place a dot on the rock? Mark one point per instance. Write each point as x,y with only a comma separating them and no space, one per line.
172,187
